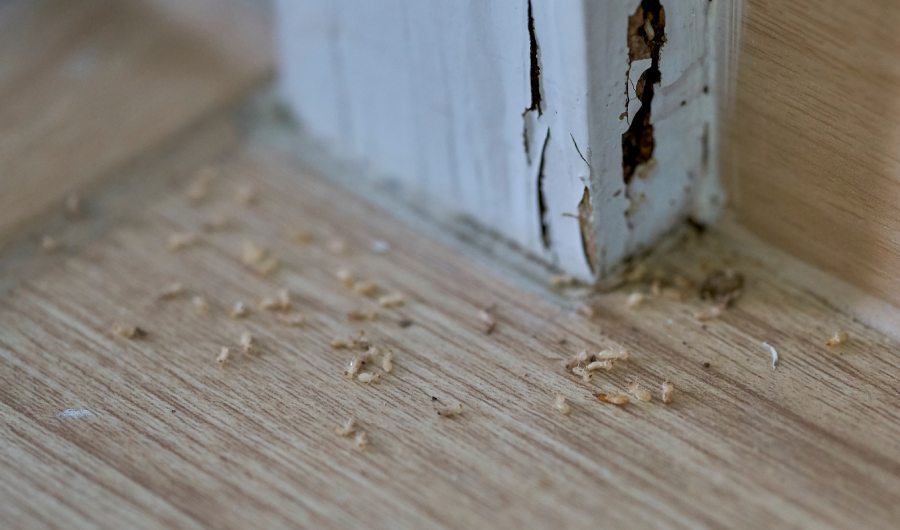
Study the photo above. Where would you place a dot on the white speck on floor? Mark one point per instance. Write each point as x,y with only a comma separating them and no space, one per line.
774,353
380,246
75,413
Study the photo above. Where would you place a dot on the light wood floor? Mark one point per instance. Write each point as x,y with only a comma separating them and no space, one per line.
159,436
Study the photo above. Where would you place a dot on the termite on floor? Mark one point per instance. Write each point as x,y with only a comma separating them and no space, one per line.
641,393
615,399
224,356
387,361
450,411
391,300
248,343
353,367
368,377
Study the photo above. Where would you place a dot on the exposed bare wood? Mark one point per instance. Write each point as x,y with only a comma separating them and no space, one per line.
816,132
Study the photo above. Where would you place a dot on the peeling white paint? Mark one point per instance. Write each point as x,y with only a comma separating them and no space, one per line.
439,99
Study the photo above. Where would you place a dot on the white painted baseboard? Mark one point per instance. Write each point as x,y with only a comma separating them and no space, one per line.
520,114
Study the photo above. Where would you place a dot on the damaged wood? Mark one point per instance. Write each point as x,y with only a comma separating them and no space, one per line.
542,202
646,36
585,224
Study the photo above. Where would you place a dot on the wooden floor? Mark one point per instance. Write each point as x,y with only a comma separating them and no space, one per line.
101,431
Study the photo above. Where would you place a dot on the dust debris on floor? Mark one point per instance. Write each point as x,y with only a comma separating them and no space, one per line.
73,206
247,194
487,319
347,428
50,244
128,331
291,319
172,291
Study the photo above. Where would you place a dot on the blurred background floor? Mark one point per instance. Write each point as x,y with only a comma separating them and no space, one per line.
128,100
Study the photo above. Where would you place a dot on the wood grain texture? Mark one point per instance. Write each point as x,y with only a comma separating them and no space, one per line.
175,441
816,134
85,86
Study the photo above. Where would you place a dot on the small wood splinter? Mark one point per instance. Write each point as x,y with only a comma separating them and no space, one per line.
560,404
641,393
127,331
614,399
224,356
666,391
392,300
837,339
450,411
347,428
